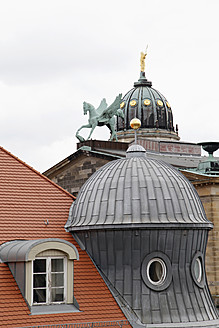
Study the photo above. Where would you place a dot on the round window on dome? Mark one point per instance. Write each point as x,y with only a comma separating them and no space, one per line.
156,271
160,103
122,105
133,103
147,102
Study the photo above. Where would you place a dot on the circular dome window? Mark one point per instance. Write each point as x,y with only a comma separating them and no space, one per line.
156,271
197,269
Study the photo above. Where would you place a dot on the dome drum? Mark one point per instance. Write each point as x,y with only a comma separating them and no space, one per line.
153,271
128,135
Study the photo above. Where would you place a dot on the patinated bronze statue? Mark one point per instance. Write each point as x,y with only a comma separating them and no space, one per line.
103,115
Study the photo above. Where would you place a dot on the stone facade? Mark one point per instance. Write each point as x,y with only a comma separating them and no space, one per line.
75,173
171,147
208,190
209,195
75,176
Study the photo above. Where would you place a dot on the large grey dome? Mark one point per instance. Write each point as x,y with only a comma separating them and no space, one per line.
143,225
136,192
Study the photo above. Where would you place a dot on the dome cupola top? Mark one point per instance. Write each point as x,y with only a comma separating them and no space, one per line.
135,150
148,105
142,81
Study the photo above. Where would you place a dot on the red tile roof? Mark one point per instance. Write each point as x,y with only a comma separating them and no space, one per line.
27,200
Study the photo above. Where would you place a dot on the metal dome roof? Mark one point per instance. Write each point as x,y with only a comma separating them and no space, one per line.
136,192
148,105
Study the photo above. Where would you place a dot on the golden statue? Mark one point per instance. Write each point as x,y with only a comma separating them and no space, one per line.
142,60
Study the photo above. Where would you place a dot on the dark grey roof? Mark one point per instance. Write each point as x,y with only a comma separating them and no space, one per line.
148,105
136,191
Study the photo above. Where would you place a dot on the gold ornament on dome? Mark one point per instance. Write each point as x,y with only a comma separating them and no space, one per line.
122,105
160,103
147,102
135,123
133,103
168,105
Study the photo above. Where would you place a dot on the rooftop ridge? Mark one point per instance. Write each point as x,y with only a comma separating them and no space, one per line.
37,172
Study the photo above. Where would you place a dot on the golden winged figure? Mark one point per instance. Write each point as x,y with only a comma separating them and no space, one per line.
142,60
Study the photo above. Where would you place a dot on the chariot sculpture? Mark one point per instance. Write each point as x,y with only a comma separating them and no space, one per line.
103,115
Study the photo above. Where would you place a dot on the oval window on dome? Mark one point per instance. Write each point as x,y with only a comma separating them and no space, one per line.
197,269
160,103
122,105
156,271
133,103
168,105
147,102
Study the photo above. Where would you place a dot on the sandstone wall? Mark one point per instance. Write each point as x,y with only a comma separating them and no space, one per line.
209,194
72,177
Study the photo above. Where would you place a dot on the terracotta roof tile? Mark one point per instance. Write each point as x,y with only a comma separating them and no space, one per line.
28,200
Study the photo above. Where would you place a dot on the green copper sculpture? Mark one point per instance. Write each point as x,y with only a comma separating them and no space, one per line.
103,115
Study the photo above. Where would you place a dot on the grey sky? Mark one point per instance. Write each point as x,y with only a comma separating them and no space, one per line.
56,54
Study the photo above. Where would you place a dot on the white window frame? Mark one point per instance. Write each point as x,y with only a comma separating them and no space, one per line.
163,273
48,280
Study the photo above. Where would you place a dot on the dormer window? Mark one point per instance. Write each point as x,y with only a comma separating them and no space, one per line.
43,270
49,280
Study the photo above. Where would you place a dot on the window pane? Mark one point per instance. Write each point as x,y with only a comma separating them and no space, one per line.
57,265
156,271
57,295
39,280
48,280
39,265
39,295
57,279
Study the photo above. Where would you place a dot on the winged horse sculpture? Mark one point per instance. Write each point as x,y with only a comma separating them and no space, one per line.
103,115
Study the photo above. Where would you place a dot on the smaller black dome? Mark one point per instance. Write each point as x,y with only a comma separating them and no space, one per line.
151,107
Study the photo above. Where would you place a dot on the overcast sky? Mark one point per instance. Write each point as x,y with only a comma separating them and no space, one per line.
56,54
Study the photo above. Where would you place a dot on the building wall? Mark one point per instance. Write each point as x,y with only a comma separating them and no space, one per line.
72,177
162,146
209,194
